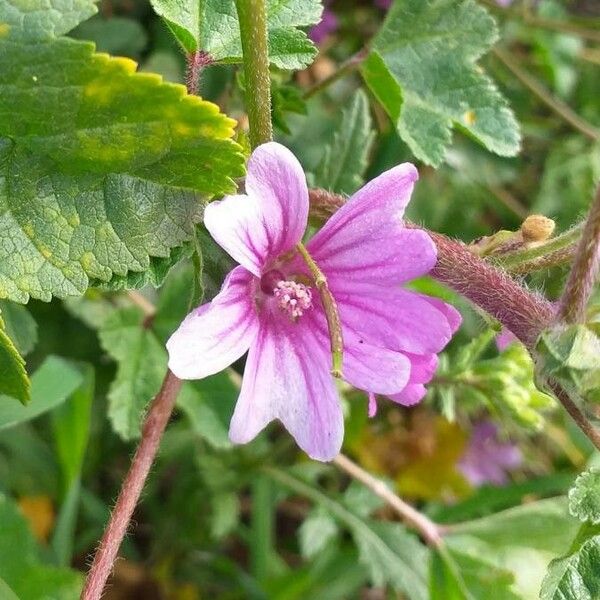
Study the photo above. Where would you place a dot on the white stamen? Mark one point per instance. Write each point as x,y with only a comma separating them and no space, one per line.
293,298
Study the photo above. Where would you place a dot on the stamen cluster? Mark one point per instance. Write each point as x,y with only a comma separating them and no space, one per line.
293,298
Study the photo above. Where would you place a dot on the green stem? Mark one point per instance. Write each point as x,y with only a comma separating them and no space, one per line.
554,252
262,527
541,22
544,95
252,16
332,315
346,67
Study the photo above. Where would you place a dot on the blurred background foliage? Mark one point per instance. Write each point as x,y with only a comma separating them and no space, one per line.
486,454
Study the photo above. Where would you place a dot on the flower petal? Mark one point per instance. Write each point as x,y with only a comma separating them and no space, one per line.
287,378
271,218
410,395
365,240
215,334
392,317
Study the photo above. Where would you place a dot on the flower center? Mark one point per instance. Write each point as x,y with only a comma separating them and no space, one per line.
292,298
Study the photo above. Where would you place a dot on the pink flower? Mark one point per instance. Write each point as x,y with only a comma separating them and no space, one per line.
270,306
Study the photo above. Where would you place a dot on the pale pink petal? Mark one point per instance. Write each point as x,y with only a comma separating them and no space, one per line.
366,241
410,395
287,378
392,317
216,334
271,218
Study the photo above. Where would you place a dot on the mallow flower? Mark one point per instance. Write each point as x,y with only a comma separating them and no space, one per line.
487,459
270,306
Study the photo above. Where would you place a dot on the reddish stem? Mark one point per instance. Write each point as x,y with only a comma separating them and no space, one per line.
154,426
524,312
584,272
196,61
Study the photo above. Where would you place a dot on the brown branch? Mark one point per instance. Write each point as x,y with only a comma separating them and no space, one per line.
429,530
154,426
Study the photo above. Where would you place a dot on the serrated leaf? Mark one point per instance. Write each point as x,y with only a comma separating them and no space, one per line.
20,326
34,20
584,497
212,26
92,163
13,376
422,69
141,365
387,550
54,381
155,275
345,159
316,531
575,576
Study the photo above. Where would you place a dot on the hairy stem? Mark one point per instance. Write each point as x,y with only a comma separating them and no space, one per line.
576,414
252,16
544,95
195,62
584,272
154,426
556,251
428,530
332,314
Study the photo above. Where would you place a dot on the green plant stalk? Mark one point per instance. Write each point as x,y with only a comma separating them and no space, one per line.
332,314
544,95
262,527
555,251
252,16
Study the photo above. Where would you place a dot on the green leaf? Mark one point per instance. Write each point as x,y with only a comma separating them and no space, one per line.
208,405
91,185
345,159
51,385
575,576
422,69
6,592
316,531
155,275
584,497
388,551
35,20
20,564
455,576
20,326
116,35
212,26
13,376
521,540
225,514
141,365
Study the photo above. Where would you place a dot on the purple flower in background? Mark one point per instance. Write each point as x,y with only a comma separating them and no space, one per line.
270,306
505,338
327,25
487,459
